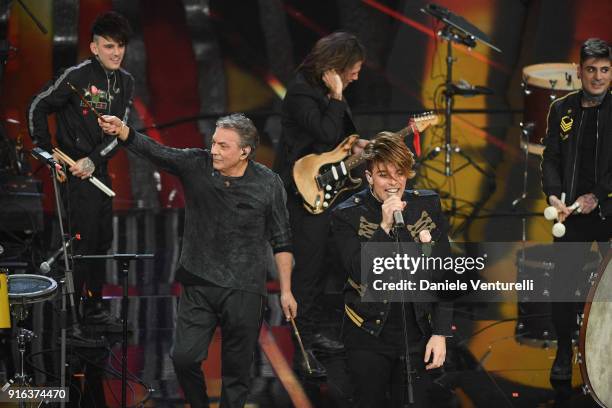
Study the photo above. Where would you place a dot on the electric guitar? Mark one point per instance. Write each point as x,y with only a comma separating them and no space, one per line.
321,178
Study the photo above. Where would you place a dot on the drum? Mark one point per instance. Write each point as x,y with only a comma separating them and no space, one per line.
25,288
534,325
595,333
542,84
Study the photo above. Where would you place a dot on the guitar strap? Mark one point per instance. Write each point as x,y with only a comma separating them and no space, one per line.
416,140
350,124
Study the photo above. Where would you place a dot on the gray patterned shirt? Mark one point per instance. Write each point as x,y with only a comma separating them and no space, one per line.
228,220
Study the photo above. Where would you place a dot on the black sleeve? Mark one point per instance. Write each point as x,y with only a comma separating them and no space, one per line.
52,98
173,160
603,188
442,319
442,312
325,126
278,219
551,159
441,237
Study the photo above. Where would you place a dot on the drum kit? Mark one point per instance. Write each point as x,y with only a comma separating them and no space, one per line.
542,84
23,291
27,289
595,332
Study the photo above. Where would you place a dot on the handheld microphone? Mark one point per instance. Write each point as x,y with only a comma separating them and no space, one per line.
398,219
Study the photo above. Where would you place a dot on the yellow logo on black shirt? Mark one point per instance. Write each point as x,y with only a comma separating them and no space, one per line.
566,124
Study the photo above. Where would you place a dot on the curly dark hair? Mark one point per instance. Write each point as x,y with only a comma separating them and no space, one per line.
339,50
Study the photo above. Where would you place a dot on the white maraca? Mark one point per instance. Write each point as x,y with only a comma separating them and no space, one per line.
551,213
558,230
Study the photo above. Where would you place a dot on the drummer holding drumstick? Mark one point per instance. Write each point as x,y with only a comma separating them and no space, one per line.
77,97
577,163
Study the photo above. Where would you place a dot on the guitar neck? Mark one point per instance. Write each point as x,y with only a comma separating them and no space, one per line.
353,161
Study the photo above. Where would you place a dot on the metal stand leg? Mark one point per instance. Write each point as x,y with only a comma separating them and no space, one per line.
125,267
124,262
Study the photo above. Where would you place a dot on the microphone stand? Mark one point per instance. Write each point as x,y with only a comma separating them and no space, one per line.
67,286
397,227
124,263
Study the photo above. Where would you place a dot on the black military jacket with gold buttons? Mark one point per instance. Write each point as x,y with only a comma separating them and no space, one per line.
562,152
356,221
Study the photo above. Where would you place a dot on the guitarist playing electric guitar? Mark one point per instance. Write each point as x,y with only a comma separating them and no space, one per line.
316,118
321,178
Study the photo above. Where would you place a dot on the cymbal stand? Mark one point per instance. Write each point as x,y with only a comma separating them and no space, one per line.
526,131
124,263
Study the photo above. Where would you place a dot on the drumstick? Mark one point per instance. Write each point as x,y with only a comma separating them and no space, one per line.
64,157
94,180
76,91
299,339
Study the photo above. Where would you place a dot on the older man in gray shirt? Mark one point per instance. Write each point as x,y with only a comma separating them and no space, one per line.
233,206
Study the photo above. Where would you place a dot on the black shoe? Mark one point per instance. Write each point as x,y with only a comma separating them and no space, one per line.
562,366
322,343
311,369
100,320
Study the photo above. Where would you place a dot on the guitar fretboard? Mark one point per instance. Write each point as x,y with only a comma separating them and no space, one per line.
353,161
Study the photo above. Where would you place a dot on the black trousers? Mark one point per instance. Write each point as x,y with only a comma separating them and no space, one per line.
581,230
317,267
311,251
379,378
91,216
201,309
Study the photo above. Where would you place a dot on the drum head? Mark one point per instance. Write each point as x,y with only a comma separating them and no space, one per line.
557,76
25,288
595,334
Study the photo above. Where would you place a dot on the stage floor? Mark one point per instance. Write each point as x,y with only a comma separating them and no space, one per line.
487,363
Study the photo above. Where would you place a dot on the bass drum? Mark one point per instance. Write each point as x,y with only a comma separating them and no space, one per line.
534,325
595,335
542,84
